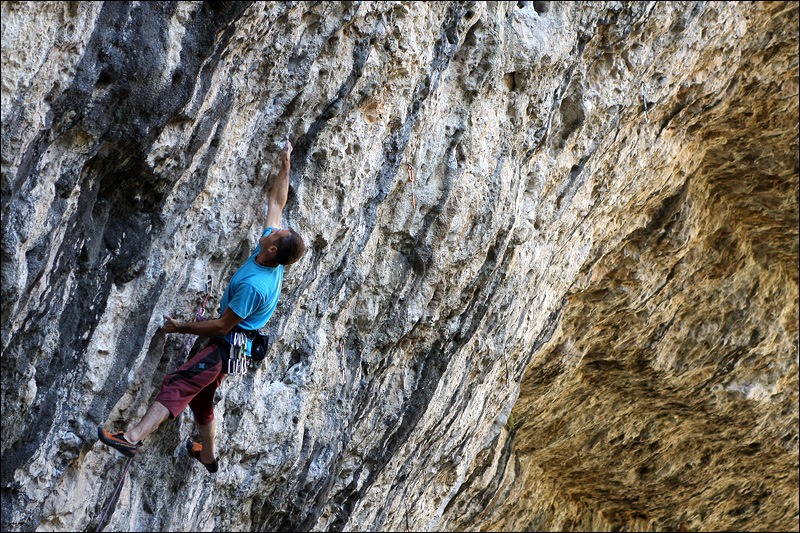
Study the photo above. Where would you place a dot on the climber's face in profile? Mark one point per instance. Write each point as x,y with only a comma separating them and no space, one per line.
285,246
272,239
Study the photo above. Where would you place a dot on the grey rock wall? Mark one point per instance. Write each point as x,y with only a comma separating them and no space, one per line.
579,315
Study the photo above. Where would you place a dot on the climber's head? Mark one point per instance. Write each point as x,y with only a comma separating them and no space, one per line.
284,246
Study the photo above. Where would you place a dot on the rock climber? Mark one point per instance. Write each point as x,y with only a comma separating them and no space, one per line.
247,304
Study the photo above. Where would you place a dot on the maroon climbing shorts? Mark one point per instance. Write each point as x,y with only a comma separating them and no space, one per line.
194,384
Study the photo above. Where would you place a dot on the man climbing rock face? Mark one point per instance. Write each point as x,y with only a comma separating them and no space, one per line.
247,304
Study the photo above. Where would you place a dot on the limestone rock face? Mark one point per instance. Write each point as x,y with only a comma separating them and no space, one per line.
581,314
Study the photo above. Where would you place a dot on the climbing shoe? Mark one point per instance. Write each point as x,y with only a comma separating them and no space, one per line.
118,441
194,450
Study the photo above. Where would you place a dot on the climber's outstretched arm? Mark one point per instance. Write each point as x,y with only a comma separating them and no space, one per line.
280,190
206,328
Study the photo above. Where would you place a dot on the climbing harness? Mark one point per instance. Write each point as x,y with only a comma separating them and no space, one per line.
411,177
644,99
238,360
112,500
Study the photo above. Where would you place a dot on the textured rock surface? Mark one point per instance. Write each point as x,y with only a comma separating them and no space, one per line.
587,319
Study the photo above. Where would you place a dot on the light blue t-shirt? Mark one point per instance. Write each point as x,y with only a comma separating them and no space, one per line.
253,291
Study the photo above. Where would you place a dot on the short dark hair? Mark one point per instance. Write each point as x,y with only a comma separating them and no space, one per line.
290,248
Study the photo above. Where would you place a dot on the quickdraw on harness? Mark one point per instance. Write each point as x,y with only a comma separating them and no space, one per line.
238,359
